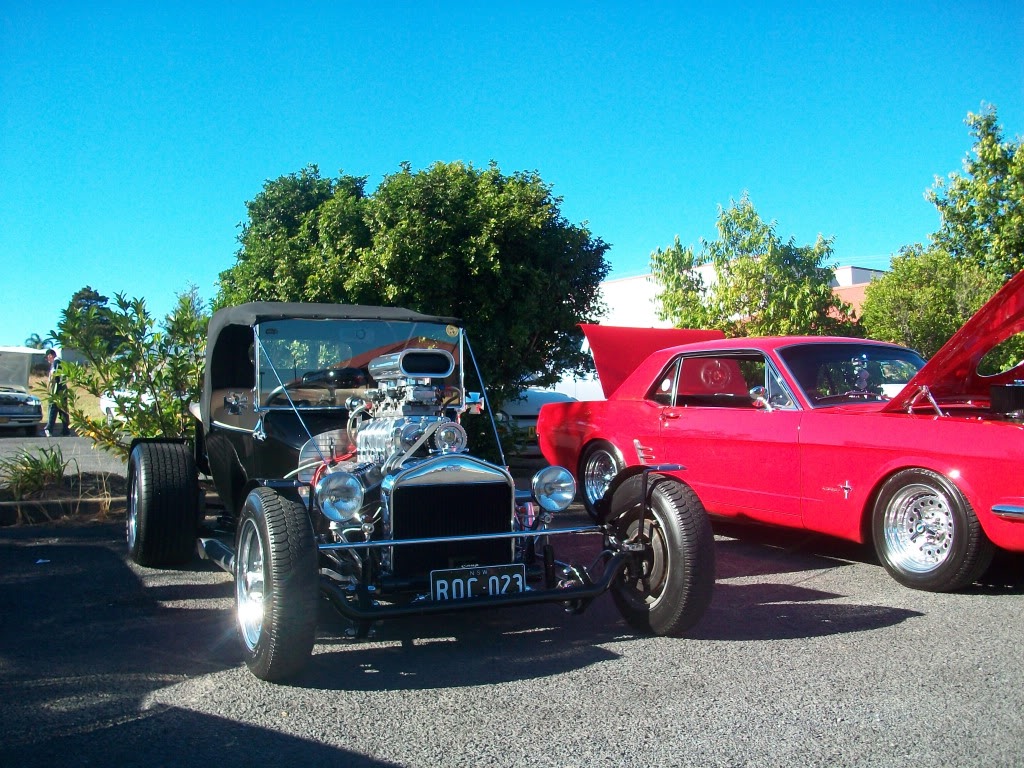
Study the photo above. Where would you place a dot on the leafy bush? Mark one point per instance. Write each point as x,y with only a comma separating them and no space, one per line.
153,374
27,473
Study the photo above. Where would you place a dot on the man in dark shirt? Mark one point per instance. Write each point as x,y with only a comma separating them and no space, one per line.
56,386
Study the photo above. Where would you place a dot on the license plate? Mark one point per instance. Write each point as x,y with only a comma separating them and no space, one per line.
476,580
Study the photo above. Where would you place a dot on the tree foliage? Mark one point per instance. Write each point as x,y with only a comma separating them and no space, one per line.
982,210
762,286
932,290
452,239
298,241
924,298
88,308
153,373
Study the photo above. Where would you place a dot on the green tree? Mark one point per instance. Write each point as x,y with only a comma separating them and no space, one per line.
453,239
763,286
153,372
300,238
88,312
924,298
35,341
930,291
982,210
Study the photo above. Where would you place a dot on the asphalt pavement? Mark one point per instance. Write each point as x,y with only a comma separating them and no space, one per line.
810,655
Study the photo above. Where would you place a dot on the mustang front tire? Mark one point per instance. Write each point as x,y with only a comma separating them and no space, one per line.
276,589
668,589
927,535
163,504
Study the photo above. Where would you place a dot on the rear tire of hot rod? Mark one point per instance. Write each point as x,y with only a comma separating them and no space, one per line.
163,504
276,589
670,590
599,465
926,533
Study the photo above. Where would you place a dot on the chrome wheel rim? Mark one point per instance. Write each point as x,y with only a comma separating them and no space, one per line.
648,586
250,584
132,518
919,528
598,474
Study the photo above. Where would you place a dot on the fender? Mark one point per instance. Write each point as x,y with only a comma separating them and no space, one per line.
603,505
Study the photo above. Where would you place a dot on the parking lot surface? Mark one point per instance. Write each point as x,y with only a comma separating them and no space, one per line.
809,655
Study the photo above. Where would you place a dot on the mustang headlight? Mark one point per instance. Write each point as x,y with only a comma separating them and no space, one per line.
554,488
341,497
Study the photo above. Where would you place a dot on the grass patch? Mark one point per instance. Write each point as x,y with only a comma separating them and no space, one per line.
40,485
31,471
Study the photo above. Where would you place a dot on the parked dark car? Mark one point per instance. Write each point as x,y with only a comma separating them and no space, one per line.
333,436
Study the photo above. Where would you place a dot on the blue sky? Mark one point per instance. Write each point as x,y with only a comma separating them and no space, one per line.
131,134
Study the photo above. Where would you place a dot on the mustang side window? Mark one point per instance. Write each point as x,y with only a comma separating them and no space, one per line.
717,381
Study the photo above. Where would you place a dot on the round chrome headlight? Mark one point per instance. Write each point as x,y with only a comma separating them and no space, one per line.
341,497
554,488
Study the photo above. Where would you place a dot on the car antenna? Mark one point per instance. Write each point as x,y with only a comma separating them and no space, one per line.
487,403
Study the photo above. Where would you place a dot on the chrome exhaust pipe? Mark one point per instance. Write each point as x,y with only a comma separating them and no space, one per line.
216,551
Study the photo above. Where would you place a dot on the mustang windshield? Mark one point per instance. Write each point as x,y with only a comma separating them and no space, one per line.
321,363
832,374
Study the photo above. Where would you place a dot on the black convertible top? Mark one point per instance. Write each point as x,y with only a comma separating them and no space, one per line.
258,311
228,364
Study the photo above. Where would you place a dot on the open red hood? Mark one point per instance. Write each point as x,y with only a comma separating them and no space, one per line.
953,371
618,350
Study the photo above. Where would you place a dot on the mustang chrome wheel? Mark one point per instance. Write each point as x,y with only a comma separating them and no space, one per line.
249,584
926,533
919,528
600,466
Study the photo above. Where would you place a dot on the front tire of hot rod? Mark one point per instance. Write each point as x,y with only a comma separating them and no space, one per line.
668,588
276,590
163,504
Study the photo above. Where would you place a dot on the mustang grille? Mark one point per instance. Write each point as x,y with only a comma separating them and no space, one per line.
424,511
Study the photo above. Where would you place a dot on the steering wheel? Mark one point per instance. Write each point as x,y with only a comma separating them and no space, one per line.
277,392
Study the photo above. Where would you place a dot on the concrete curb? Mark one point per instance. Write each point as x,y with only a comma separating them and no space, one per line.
35,511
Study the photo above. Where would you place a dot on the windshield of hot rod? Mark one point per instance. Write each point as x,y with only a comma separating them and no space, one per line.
321,363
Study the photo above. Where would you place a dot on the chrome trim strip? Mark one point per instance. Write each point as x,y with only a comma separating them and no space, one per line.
448,539
1008,511
230,428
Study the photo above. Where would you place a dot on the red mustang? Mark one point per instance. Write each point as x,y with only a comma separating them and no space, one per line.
847,437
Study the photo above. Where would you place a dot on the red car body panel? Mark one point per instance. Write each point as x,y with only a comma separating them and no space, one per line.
618,350
809,465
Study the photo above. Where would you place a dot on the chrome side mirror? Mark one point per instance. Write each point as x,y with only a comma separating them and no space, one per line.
760,397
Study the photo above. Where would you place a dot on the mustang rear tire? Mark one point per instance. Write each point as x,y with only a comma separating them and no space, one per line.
276,591
669,589
163,504
926,533
598,467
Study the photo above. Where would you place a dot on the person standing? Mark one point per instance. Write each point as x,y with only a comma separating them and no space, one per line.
56,387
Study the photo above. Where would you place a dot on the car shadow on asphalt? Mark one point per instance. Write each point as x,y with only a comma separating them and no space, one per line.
748,549
463,649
